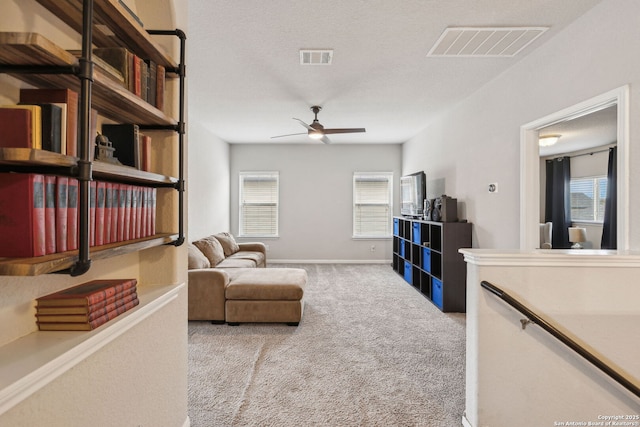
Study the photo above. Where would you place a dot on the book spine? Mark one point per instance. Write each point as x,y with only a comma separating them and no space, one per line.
100,203
122,211
110,292
117,299
160,83
127,211
92,213
16,130
50,214
72,215
108,211
113,314
115,196
62,209
143,211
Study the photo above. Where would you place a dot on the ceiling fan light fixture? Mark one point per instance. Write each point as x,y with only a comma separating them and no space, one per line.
548,140
316,135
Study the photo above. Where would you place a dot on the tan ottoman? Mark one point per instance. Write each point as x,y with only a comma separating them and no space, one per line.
265,295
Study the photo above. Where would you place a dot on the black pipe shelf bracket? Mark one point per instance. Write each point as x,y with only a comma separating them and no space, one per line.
533,318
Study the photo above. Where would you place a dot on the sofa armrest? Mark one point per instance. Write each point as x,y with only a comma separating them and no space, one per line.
253,247
206,294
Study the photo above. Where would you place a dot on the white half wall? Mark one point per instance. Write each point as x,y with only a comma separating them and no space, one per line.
477,142
316,197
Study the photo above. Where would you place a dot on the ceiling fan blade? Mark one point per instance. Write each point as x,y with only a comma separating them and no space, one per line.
304,124
345,130
325,139
290,134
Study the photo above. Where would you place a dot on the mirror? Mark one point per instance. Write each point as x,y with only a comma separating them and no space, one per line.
571,124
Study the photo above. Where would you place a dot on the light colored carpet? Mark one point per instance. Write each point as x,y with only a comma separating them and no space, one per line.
370,351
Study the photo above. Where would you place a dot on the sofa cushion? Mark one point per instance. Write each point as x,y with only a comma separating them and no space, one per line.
228,243
211,248
267,284
257,257
236,263
197,259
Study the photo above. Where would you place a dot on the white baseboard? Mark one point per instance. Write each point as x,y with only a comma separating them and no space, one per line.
187,422
465,421
329,261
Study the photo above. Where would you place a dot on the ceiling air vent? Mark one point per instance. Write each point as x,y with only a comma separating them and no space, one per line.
316,56
485,41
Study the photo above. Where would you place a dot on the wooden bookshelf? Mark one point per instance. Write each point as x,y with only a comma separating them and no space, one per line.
61,261
114,26
109,97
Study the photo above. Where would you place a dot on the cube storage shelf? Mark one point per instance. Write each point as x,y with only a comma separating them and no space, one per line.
425,254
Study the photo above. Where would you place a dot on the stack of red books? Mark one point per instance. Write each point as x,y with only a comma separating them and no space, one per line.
86,306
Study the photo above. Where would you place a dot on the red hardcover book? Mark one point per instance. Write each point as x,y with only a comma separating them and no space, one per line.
122,211
137,75
135,212
115,196
15,128
108,199
22,215
92,213
72,214
154,195
118,299
50,213
126,223
84,317
144,194
62,208
88,326
66,96
86,293
100,203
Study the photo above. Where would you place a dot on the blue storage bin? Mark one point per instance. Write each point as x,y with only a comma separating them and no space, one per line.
396,227
407,272
415,235
401,248
436,292
426,259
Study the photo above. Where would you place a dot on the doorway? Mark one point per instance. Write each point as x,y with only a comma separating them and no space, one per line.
530,165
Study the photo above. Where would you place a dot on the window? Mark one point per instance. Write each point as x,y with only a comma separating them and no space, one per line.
258,204
587,199
372,204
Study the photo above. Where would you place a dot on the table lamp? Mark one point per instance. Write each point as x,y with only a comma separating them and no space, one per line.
577,235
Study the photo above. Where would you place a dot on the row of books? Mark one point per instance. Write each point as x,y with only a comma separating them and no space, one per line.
130,146
86,306
39,213
142,77
44,119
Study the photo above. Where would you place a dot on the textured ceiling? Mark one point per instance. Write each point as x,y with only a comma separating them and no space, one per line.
246,82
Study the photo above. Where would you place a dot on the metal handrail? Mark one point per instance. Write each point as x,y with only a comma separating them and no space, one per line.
547,326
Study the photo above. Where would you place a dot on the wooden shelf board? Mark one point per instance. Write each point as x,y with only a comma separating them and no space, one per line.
62,261
101,170
114,27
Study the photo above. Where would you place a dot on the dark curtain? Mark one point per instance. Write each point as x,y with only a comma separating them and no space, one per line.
558,201
609,227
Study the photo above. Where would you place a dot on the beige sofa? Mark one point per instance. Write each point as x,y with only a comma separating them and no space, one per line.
228,283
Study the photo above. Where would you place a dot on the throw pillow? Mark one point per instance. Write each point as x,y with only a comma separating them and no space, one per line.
211,248
197,258
228,243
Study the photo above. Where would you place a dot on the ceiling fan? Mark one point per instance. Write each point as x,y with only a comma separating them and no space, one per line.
316,131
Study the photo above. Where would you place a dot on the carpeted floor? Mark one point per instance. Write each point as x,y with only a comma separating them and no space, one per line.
370,351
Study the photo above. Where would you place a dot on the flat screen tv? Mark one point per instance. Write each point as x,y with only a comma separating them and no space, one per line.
413,192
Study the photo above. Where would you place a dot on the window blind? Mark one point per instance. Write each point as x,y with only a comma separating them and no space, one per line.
258,204
372,206
588,197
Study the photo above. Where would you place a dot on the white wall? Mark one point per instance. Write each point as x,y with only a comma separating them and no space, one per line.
477,142
316,196
208,181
